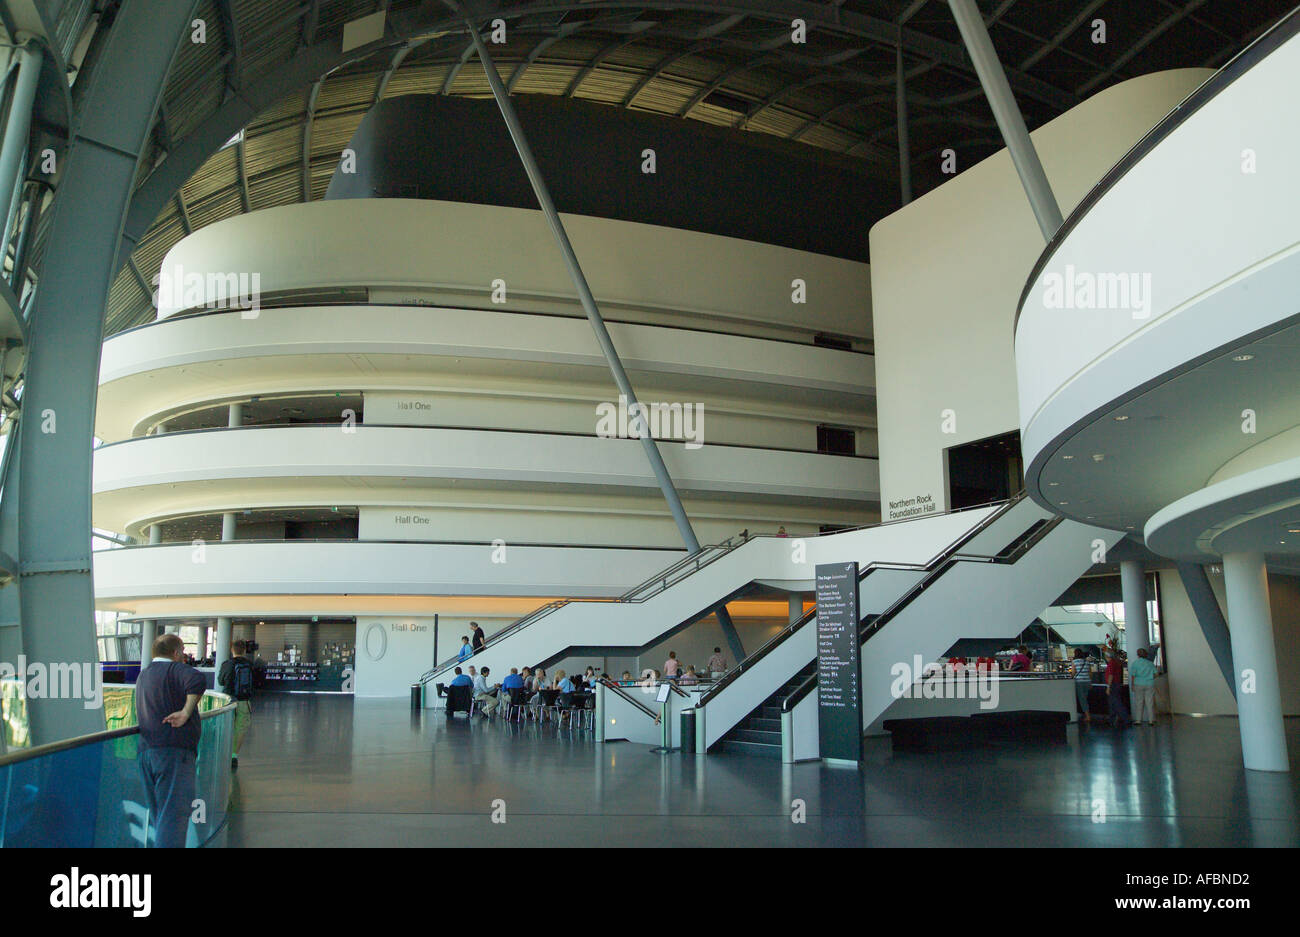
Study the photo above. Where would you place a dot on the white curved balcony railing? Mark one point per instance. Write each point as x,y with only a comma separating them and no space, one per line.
177,364
143,479
1188,249
367,568
465,249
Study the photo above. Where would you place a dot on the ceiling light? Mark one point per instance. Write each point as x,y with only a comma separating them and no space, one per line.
1064,503
1067,457
1121,418
1098,456
1242,357
1055,484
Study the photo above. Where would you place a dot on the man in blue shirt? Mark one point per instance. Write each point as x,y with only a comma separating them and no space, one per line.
461,680
512,682
466,652
166,695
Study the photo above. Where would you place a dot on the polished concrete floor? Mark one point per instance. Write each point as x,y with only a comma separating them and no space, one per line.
328,771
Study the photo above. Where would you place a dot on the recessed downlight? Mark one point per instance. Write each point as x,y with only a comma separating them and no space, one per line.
1057,485
1067,457
1243,357
1121,418
1098,456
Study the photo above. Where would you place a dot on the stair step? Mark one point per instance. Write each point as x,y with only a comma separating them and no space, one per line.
752,748
757,735
762,724
768,712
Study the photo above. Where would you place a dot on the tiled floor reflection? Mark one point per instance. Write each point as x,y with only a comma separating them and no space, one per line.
325,771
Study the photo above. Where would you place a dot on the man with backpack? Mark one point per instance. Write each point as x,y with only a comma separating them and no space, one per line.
236,679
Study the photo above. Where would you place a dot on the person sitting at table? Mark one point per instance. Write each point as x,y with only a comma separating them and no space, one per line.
535,686
672,666
512,682
461,680
485,694
689,677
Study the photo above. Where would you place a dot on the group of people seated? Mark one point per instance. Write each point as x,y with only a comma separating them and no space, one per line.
527,688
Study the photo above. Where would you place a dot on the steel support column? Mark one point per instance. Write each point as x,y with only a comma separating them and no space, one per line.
11,638
597,323
17,131
904,143
1206,607
113,126
1005,111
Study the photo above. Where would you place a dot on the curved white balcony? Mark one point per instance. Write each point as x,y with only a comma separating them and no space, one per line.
141,480
355,577
410,246
1157,337
168,367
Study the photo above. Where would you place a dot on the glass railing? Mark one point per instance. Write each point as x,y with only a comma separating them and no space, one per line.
89,791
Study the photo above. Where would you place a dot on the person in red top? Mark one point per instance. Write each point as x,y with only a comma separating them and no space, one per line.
1114,676
1020,661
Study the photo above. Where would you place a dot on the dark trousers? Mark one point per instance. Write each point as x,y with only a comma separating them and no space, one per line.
168,793
1115,702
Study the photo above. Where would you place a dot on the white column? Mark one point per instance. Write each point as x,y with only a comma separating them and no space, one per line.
796,606
1132,581
235,417
1254,661
155,533
148,634
201,651
224,636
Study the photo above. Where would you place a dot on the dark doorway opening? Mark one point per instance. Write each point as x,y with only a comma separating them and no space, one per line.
834,440
985,470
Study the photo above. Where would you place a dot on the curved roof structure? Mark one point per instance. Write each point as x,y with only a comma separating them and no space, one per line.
257,112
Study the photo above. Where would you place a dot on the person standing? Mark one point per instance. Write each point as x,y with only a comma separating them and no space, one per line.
236,681
479,640
466,651
1082,682
166,695
1143,674
671,665
1119,715
717,663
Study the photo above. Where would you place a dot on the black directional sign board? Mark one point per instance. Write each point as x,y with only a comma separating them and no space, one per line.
839,667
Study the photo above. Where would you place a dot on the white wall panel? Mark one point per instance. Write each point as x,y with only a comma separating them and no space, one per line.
947,272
